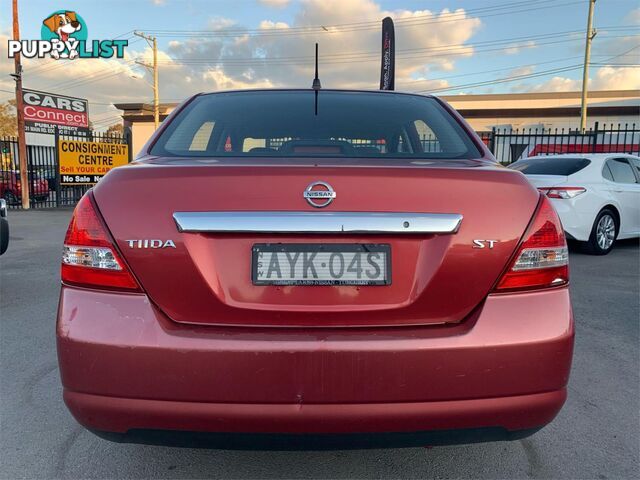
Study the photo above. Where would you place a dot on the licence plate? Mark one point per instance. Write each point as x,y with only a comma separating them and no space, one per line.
321,264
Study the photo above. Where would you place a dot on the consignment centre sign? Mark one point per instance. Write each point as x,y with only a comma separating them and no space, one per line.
84,163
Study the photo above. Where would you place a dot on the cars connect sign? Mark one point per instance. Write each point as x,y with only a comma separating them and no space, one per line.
84,163
44,111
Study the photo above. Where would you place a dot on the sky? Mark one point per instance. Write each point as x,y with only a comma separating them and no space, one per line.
445,47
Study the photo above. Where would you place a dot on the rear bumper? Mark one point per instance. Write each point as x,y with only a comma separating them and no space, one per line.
577,216
313,426
327,441
129,370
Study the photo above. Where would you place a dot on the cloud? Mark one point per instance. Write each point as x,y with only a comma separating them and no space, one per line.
426,85
518,47
233,56
220,23
219,78
557,84
274,3
603,78
269,25
349,57
526,70
633,17
157,3
612,78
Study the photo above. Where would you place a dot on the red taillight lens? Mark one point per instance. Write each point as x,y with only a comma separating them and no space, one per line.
562,192
89,258
543,258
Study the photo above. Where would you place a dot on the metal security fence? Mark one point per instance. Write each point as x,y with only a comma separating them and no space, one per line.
509,146
45,189
41,168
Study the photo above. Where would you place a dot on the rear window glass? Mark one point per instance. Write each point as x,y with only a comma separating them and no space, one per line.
621,171
550,166
606,172
285,124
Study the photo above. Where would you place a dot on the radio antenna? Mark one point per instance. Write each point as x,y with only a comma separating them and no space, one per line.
316,83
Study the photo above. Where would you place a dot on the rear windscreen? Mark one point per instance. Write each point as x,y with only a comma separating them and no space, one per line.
286,124
550,166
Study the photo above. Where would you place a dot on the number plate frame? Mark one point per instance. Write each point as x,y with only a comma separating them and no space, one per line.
321,247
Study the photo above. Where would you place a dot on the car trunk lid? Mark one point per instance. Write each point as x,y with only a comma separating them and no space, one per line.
436,277
542,181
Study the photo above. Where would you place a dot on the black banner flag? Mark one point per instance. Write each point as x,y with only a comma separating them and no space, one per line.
388,65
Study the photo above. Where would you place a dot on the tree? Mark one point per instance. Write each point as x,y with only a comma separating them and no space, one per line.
116,129
8,119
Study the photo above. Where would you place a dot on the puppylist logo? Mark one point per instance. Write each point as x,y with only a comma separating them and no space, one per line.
64,35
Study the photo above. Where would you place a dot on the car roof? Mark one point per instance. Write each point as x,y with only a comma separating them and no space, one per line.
335,90
594,157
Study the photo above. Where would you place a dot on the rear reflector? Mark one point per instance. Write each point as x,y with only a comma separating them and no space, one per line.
542,259
89,258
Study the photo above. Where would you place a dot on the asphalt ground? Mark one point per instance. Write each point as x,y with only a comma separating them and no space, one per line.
596,435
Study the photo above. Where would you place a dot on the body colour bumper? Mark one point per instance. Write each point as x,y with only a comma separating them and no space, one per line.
131,374
577,216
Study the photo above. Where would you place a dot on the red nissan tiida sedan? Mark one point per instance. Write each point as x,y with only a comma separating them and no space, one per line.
294,269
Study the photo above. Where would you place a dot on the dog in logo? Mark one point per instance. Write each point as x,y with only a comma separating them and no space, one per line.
63,25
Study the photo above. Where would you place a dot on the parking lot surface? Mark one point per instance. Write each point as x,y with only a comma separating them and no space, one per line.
596,435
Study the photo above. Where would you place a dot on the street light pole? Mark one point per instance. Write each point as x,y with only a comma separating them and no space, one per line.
22,145
585,73
153,42
156,94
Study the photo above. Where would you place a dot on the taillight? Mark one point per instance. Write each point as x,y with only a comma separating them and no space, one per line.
542,259
90,258
562,192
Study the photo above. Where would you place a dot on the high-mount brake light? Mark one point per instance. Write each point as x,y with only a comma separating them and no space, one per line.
542,259
89,257
562,192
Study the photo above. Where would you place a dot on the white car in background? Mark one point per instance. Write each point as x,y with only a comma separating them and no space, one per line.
596,195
